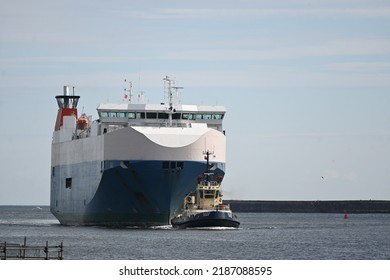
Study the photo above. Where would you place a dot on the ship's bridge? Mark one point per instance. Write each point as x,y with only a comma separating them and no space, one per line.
115,116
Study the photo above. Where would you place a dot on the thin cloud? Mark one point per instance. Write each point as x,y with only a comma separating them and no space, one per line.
347,47
250,13
363,67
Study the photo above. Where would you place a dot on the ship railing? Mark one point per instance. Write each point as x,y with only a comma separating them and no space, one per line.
209,183
219,207
223,207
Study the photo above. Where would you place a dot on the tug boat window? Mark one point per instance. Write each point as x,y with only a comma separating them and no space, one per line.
209,194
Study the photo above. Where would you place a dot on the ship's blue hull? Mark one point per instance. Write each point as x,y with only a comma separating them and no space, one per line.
128,193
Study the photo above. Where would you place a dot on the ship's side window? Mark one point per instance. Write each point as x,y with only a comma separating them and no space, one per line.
121,115
206,117
173,165
68,183
131,115
180,165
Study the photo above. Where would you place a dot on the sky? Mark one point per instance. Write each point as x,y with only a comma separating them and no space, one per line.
306,85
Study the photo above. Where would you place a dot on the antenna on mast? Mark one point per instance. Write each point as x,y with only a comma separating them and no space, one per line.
169,81
207,154
171,97
177,93
129,91
173,93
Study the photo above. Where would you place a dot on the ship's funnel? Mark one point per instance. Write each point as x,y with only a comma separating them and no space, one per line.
66,90
67,100
67,106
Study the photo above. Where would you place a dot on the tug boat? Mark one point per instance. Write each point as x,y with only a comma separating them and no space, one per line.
205,208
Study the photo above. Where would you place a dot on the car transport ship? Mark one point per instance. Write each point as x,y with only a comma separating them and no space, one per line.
134,165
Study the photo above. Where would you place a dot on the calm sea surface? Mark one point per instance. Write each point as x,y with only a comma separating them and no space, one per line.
261,236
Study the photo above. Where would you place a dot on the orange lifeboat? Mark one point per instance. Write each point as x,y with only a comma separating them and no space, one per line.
83,122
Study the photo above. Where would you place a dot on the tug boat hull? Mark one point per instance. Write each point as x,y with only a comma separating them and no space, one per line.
206,219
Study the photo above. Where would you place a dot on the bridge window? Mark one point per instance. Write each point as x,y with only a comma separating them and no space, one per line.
103,114
187,116
112,114
121,115
140,115
163,116
218,116
151,115
176,116
131,115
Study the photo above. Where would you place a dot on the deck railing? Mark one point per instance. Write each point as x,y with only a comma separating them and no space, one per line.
14,251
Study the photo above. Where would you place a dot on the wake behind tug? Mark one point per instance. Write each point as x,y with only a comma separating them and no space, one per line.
205,208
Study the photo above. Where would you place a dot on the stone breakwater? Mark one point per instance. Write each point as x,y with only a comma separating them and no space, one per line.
319,206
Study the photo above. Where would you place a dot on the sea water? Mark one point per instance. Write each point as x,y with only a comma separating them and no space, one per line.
270,236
